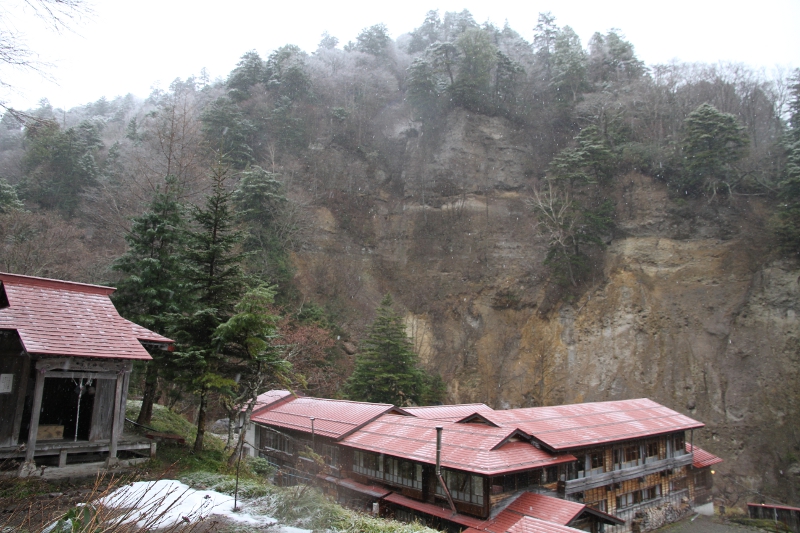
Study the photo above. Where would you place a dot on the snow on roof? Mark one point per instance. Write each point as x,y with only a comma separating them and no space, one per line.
566,427
332,418
447,412
701,458
476,448
54,317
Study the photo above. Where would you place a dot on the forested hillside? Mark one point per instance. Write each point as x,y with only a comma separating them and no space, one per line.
555,220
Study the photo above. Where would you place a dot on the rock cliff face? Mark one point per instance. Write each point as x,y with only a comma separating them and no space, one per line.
689,306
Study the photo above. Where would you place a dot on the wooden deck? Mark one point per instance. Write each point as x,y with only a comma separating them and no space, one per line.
63,448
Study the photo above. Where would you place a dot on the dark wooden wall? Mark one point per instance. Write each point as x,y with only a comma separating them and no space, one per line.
11,403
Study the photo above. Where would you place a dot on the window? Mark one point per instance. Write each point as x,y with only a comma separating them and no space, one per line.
367,463
276,441
679,445
626,457
329,453
463,486
631,454
596,459
551,474
580,468
576,470
652,450
512,482
629,499
403,472
703,480
638,496
651,493
678,484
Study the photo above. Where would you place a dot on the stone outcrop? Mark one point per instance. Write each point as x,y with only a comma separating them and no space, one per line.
689,305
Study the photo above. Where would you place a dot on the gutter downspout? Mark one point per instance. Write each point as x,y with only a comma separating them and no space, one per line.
439,469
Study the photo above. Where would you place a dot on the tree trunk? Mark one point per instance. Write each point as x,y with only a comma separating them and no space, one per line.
149,396
237,451
201,421
231,424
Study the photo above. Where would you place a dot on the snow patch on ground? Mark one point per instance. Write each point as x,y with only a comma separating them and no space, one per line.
164,503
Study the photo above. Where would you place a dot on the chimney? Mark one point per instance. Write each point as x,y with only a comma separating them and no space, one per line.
438,450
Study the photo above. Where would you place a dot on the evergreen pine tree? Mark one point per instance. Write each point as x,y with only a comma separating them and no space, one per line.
713,143
215,279
247,340
153,289
387,369
9,201
260,204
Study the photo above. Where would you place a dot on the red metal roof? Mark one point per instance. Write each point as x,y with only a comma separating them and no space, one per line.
270,397
702,458
467,447
565,427
64,318
435,510
502,522
546,508
771,506
447,412
529,524
332,418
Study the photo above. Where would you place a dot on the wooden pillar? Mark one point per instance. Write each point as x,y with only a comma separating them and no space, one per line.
37,407
23,390
112,448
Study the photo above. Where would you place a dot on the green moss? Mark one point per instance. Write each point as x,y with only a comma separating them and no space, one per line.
167,421
760,523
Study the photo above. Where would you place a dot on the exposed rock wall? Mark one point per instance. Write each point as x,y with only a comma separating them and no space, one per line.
689,305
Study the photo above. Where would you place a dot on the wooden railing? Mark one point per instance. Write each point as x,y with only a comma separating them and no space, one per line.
606,478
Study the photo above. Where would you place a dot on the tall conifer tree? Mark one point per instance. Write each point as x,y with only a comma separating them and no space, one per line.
387,369
153,290
212,260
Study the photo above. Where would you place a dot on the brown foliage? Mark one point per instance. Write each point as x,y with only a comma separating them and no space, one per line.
310,349
34,244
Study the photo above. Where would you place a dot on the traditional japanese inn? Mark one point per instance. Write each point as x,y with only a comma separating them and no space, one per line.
596,467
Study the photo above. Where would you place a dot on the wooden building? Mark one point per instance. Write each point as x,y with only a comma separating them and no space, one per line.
65,361
596,467
788,516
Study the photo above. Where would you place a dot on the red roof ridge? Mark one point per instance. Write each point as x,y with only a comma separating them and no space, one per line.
344,401
563,407
56,284
775,506
617,436
448,405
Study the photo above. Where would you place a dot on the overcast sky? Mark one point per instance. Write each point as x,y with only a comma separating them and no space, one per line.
129,47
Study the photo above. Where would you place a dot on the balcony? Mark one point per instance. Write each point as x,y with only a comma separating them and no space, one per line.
606,478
